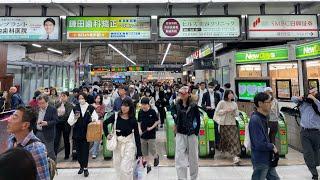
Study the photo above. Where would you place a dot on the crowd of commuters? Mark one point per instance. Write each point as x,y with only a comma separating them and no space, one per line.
37,126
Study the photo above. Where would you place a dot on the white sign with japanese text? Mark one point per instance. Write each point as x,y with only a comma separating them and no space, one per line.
199,27
282,26
29,28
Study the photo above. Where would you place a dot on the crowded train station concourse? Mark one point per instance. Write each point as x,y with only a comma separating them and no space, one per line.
159,89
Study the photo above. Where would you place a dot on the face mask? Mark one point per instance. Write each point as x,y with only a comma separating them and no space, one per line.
210,90
82,101
147,94
169,91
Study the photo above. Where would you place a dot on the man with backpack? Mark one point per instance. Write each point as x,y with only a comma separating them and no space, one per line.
16,99
20,125
309,107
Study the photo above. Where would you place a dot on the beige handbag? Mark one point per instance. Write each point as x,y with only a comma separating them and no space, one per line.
112,143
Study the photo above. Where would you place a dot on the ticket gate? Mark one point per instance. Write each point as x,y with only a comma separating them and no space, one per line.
206,136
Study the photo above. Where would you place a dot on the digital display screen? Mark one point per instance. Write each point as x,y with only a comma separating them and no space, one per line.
248,89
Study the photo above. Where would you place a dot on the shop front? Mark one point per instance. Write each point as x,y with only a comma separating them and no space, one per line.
272,63
309,53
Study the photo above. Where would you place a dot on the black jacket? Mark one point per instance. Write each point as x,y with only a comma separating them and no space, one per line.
51,116
186,119
206,101
69,107
81,126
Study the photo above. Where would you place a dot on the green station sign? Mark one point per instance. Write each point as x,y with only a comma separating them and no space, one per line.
308,50
262,55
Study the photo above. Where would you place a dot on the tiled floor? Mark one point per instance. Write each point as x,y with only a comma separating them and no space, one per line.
292,158
296,172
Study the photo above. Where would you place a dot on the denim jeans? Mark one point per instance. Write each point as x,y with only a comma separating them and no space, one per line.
95,148
263,171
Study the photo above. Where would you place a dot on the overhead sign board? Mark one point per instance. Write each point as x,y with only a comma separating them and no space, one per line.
108,28
29,28
282,26
262,55
199,27
308,50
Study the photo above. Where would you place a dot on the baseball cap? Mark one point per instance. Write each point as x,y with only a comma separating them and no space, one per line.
268,89
145,100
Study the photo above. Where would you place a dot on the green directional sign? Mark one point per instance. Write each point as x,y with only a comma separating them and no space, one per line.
262,55
308,50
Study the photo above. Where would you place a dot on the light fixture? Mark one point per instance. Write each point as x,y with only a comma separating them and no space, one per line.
165,55
154,17
54,50
114,48
37,45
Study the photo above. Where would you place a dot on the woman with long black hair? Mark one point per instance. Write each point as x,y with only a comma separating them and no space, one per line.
80,117
128,140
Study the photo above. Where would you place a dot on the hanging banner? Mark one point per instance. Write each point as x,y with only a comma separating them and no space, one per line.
262,55
308,50
108,28
29,28
282,26
199,27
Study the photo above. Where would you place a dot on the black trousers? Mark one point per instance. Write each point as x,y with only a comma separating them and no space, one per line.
162,113
82,147
310,141
62,129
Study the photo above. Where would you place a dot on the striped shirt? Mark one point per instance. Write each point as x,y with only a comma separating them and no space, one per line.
38,151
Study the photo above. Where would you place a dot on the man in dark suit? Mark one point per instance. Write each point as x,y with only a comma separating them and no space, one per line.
46,124
210,101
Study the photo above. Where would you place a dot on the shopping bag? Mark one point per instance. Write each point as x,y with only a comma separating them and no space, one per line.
247,141
94,131
138,170
112,143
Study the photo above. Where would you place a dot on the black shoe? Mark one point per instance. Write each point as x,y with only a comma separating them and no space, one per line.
156,161
80,171
66,157
148,169
86,173
161,126
315,178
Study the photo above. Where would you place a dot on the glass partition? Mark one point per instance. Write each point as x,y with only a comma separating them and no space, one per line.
250,70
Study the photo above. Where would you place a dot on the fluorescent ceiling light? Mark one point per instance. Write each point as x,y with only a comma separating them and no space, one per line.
165,55
154,17
114,48
54,50
37,45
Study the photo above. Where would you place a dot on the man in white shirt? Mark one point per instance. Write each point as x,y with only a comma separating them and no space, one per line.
200,93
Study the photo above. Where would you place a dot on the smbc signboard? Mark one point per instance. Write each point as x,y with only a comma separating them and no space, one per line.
262,55
108,28
282,26
29,28
199,27
308,50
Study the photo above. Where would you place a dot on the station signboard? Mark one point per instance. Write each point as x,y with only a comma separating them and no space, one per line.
108,28
30,28
262,55
282,26
199,27
308,50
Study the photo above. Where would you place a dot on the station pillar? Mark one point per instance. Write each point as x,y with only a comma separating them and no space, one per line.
6,81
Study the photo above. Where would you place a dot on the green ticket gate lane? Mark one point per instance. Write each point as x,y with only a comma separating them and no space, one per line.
171,142
282,137
202,140
106,153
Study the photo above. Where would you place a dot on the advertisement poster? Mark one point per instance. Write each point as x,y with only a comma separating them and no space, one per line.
199,27
108,28
262,55
29,28
282,26
284,90
247,90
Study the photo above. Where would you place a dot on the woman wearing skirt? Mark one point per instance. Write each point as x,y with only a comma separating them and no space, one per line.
225,114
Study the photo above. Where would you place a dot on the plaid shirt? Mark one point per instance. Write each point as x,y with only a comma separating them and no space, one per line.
38,151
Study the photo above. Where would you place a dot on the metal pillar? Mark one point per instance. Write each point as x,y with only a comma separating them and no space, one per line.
44,10
138,10
226,9
81,9
263,9
297,8
198,10
8,10
170,9
109,10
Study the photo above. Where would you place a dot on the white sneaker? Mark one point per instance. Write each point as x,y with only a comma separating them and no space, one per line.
94,156
236,160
